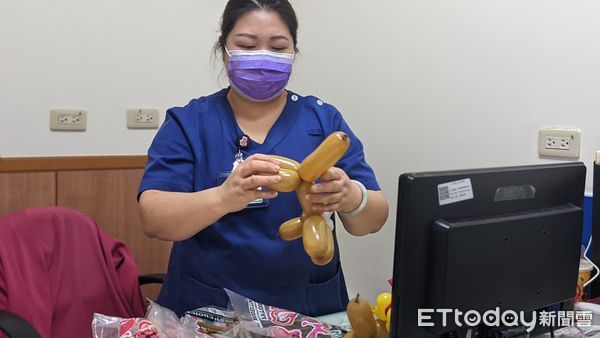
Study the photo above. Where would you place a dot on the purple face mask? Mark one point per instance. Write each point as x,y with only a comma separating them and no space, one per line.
259,75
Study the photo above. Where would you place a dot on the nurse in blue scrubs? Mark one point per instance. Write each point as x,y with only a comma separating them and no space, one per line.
207,163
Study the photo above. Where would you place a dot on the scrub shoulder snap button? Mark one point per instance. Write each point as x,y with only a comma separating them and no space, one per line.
294,98
319,102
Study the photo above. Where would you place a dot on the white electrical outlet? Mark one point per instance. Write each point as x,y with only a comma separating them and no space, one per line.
142,118
68,119
559,142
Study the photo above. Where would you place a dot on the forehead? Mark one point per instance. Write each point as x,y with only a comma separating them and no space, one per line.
261,22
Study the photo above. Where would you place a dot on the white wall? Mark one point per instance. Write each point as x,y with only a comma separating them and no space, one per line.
427,84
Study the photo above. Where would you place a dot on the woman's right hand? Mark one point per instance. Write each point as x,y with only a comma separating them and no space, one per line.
241,187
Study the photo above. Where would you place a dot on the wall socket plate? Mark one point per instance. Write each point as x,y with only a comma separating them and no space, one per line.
559,142
68,119
142,118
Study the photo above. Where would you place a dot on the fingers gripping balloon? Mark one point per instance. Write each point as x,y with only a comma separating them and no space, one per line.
311,226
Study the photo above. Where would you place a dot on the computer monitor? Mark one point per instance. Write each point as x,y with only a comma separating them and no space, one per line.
485,239
595,287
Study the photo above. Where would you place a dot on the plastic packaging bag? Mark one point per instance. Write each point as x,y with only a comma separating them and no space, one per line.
114,327
210,320
270,321
161,323
248,319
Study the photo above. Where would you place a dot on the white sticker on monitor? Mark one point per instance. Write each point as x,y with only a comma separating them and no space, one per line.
456,191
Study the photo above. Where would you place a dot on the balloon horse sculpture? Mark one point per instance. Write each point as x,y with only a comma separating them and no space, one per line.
311,226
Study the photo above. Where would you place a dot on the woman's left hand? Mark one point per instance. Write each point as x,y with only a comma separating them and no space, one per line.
335,192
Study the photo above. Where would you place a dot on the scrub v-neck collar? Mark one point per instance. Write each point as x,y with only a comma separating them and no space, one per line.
276,133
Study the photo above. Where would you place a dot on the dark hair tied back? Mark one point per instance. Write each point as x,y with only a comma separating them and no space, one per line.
237,8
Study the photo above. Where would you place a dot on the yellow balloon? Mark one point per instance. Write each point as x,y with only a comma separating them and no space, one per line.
382,302
388,316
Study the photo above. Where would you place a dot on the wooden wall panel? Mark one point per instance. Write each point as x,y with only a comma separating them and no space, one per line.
109,197
103,187
26,190
61,163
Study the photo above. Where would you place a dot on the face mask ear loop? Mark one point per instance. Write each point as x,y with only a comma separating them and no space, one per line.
227,51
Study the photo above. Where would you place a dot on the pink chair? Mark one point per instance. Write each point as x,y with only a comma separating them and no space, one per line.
58,267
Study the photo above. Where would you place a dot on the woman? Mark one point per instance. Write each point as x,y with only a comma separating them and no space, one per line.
207,163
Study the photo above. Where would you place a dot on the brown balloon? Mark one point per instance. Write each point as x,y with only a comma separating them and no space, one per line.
314,236
363,324
317,238
349,335
292,229
289,181
361,317
301,192
381,331
329,253
286,163
324,157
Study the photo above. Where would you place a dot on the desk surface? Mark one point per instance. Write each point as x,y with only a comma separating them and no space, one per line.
339,319
591,332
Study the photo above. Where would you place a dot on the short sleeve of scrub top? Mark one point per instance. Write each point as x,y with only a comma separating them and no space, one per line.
170,159
353,162
242,251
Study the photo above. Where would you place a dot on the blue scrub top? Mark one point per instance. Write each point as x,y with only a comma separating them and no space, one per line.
242,251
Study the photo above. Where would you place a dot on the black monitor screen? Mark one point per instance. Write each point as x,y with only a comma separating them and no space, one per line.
487,239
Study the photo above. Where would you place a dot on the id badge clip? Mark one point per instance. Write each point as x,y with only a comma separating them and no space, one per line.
242,143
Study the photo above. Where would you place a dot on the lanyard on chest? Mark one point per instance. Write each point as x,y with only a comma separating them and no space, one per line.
242,143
